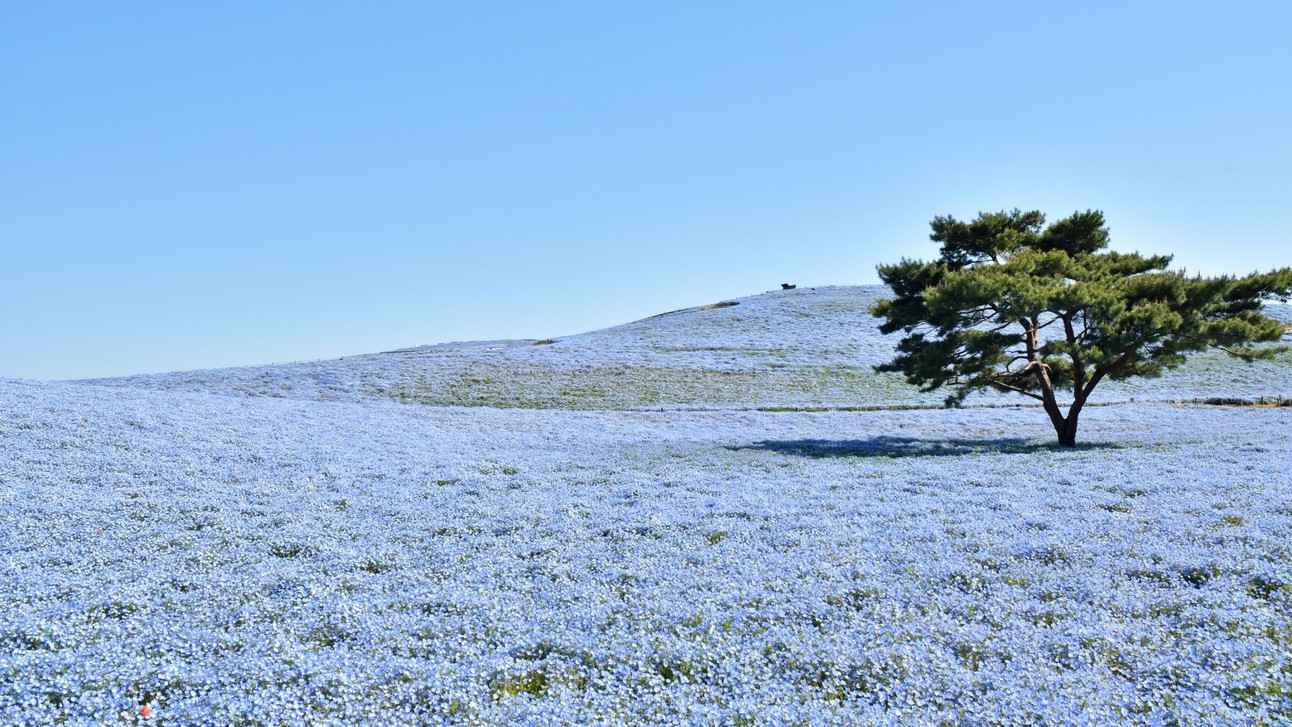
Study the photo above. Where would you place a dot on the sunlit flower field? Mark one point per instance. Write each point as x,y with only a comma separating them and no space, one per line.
210,557
805,348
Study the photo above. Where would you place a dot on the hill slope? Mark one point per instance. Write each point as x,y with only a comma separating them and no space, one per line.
218,558
801,348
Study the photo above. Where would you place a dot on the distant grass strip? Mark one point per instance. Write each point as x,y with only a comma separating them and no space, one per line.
1261,402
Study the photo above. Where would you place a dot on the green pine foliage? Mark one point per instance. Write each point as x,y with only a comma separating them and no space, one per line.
1049,312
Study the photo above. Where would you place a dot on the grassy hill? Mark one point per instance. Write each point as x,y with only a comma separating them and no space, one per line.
812,347
291,544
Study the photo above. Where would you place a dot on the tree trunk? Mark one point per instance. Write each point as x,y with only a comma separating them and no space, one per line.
1066,427
1068,434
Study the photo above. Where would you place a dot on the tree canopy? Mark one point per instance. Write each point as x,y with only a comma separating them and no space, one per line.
1049,312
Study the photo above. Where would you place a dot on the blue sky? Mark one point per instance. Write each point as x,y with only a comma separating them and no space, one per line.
195,185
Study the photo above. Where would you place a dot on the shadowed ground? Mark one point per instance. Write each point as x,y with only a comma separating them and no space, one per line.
886,446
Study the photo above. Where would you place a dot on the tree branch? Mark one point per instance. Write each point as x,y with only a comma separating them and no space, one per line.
1208,344
1024,392
1078,368
1042,375
1101,371
1011,361
1052,321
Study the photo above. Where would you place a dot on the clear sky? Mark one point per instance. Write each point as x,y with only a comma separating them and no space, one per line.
192,185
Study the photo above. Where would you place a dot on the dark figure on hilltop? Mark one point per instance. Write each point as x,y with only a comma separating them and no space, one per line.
787,286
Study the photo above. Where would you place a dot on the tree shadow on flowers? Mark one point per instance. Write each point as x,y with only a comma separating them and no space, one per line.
886,446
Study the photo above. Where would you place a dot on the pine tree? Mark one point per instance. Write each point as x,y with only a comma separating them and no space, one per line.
1012,305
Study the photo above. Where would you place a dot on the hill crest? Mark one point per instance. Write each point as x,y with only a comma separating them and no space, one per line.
808,347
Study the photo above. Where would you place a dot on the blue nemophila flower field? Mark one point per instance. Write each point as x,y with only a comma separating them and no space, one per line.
272,561
225,558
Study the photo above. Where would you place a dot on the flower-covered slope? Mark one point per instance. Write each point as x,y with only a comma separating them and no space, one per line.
234,560
810,347
291,545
